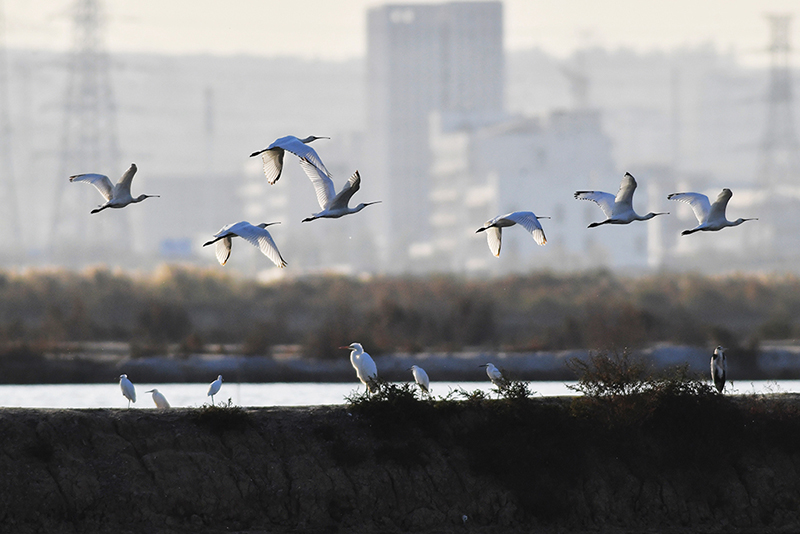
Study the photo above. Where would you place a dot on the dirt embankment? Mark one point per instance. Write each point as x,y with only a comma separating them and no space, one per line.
543,465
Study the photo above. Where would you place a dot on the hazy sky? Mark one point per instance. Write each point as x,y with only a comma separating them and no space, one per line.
335,29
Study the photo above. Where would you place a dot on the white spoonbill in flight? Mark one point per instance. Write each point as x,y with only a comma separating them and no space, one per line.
619,209
333,205
526,219
710,216
257,235
159,398
719,368
421,378
213,388
365,367
128,391
272,156
117,196
494,374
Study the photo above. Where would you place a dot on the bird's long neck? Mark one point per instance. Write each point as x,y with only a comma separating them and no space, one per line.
739,221
364,205
650,216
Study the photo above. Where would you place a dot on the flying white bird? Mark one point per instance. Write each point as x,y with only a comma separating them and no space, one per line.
719,368
257,236
710,216
619,209
333,205
159,398
117,196
213,388
494,374
421,378
526,219
128,391
365,367
272,156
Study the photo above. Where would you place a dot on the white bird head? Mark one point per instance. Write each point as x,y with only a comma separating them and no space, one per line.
264,225
123,376
151,391
719,350
312,138
354,346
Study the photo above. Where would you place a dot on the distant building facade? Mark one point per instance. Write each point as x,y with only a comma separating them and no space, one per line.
423,59
525,164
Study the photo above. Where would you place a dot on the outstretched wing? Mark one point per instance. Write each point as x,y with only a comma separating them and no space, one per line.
342,199
624,196
100,181
697,201
528,220
272,163
302,151
718,207
323,185
260,237
223,250
601,198
125,180
494,236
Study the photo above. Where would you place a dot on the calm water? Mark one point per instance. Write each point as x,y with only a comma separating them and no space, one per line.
272,394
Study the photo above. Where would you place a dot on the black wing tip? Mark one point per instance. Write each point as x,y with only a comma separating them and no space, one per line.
257,153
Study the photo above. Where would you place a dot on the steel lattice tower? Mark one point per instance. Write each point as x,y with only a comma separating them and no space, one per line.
88,144
780,164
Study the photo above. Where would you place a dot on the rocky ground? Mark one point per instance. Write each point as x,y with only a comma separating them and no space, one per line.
685,464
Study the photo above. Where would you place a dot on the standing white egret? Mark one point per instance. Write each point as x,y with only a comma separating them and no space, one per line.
494,374
128,391
272,156
257,236
117,196
365,367
719,368
421,378
159,398
526,219
619,209
213,388
710,216
333,205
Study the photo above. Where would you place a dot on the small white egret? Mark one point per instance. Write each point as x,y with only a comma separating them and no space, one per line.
719,368
333,205
257,235
494,374
619,209
365,367
421,378
213,388
159,398
711,217
526,219
117,196
272,156
128,391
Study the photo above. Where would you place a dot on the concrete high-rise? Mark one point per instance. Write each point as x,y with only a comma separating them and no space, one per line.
420,59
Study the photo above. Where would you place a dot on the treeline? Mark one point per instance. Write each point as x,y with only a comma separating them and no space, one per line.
543,311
